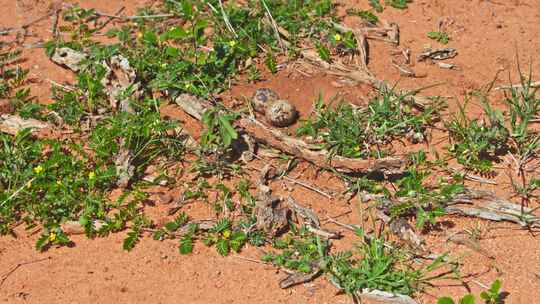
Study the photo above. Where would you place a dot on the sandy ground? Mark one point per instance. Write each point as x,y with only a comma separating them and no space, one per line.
488,36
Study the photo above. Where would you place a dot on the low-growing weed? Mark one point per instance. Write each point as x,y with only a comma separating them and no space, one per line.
354,132
43,183
439,36
300,251
225,238
13,78
378,266
476,143
426,203
490,296
399,4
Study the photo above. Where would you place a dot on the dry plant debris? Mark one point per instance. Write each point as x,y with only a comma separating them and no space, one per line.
188,55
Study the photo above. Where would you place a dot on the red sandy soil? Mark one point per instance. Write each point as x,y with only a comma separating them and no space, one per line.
488,36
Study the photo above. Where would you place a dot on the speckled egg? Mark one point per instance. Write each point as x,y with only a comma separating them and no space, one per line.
281,113
262,98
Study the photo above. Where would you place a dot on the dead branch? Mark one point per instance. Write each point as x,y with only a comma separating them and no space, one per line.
535,84
385,297
438,54
75,227
277,139
299,278
301,149
310,219
462,239
489,207
27,25
13,124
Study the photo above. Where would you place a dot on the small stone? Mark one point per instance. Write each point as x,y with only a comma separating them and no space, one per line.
262,98
281,113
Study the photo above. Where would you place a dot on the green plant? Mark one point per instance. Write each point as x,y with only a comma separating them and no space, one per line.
380,267
13,78
440,36
225,238
300,251
477,142
376,5
426,203
467,299
399,4
490,296
523,107
143,133
354,132
44,183
365,15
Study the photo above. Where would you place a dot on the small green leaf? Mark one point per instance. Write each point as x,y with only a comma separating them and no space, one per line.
131,240
222,247
171,226
376,4
172,51
185,245
368,16
42,242
226,125
496,287
176,33
270,62
445,300
324,52
468,299
485,296
150,38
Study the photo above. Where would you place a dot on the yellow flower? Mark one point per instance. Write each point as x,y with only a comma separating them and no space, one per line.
337,37
139,35
226,234
52,236
91,175
59,182
38,169
232,43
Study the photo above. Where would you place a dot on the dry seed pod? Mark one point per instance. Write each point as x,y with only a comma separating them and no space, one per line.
281,113
262,98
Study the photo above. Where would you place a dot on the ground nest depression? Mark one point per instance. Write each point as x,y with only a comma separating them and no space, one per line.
269,151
